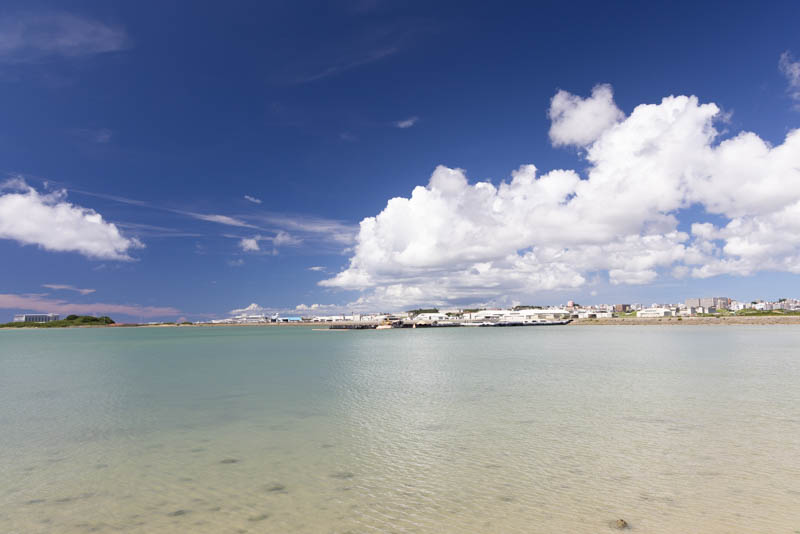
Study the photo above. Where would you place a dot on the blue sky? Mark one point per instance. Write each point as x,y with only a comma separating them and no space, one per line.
163,118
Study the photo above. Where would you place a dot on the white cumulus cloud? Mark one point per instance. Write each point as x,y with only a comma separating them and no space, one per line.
52,223
579,121
453,240
250,244
281,238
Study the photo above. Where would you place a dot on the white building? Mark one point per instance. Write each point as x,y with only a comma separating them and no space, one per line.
431,317
526,315
327,318
739,306
655,312
251,318
547,313
594,314
373,317
485,315
35,317
532,315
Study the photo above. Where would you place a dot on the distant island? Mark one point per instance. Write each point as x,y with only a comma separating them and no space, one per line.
69,321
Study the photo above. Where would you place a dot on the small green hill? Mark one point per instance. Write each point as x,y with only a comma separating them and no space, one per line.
70,320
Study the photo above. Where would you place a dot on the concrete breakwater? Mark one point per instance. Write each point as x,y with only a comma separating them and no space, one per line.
683,321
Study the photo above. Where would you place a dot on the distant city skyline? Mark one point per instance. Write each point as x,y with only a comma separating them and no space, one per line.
458,155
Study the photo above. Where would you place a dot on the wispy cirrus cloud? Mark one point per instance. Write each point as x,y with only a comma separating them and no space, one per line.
298,227
98,135
39,303
226,220
254,200
791,69
67,287
311,227
285,238
29,37
216,218
151,230
406,123
347,63
356,47
207,217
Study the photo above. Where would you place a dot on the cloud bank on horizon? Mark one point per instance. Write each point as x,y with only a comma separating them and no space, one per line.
456,241
54,305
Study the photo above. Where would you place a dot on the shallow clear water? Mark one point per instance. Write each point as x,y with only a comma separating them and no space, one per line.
285,429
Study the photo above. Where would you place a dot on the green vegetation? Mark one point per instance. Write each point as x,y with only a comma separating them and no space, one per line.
423,310
761,313
526,307
749,313
71,320
718,313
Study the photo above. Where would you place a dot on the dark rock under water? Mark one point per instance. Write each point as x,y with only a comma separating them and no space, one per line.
178,513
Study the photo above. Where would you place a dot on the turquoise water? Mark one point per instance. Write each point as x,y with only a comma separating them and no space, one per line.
286,429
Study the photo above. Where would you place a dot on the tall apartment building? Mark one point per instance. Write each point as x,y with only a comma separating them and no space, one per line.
719,303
